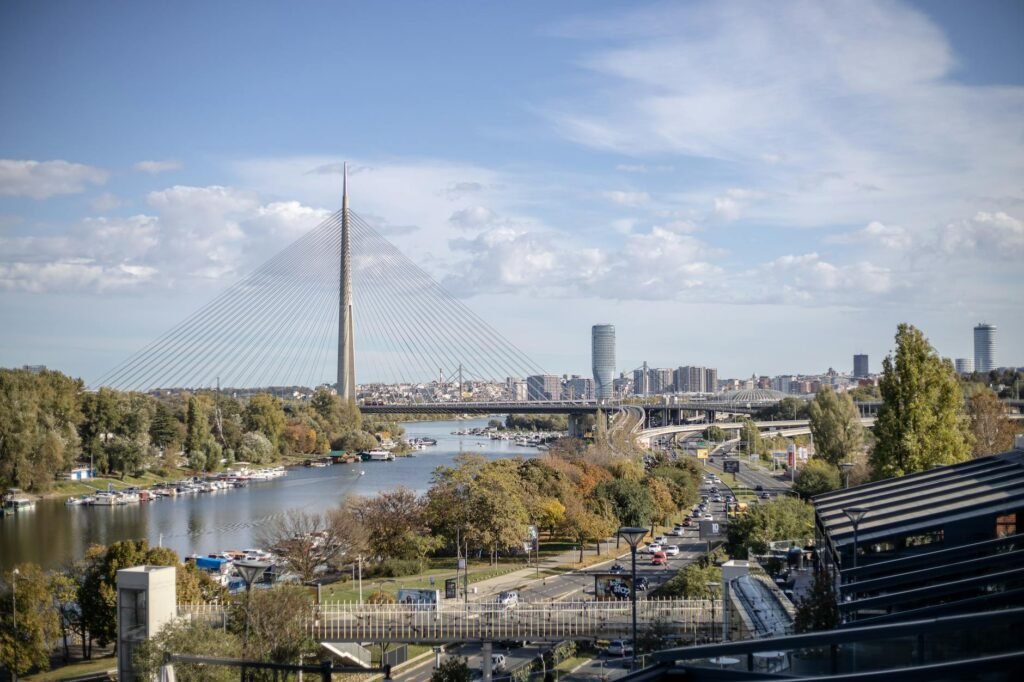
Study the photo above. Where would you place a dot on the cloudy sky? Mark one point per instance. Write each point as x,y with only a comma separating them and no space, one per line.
761,187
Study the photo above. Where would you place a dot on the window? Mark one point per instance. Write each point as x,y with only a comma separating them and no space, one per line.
133,613
929,537
1006,525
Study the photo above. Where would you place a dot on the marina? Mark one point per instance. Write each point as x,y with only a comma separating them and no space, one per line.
207,519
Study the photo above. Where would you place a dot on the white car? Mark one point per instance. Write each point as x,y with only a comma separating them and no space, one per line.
653,548
508,599
671,550
708,517
618,647
660,540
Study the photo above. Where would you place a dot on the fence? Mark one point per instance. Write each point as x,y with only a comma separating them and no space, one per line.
541,621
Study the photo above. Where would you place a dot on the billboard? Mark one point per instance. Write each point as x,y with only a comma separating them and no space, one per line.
791,455
419,598
731,466
533,537
612,586
702,453
709,529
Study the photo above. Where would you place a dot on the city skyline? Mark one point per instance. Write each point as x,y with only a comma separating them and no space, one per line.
684,169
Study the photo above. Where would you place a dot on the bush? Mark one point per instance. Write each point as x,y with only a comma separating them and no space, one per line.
397,568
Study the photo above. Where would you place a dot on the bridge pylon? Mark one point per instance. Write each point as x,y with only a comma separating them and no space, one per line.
346,324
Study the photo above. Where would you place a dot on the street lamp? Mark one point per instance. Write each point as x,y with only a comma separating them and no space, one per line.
250,570
856,515
846,466
14,621
633,536
713,587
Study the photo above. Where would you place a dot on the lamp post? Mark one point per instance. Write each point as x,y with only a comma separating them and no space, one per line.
14,621
846,466
713,587
250,571
856,515
633,536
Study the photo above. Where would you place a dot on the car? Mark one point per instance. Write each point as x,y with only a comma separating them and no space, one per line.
758,487
616,568
765,496
659,559
619,647
708,517
498,662
660,540
671,550
508,599
677,532
688,523
654,548
714,490
718,498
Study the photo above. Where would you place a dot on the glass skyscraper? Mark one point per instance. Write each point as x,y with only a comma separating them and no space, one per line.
602,355
984,347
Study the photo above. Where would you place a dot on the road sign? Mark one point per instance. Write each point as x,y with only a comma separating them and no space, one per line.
731,466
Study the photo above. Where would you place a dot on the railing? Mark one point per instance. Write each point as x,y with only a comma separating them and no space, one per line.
549,621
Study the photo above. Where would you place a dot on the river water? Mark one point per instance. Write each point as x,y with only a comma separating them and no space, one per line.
54,533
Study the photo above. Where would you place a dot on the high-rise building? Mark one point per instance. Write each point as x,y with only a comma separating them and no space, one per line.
602,356
661,380
964,365
544,387
690,380
710,380
641,381
579,388
984,347
860,366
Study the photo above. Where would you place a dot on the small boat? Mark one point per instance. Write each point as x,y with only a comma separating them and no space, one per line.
105,498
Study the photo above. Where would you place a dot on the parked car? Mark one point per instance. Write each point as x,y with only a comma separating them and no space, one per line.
619,647
671,550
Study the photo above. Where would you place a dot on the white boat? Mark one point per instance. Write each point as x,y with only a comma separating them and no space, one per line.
105,498
380,456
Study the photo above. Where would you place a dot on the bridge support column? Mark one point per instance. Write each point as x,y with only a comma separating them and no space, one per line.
576,425
486,654
711,416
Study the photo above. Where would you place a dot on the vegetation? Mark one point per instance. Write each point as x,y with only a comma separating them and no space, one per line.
692,581
55,424
38,621
786,518
921,422
715,434
785,409
537,422
453,669
992,430
835,425
816,477
818,610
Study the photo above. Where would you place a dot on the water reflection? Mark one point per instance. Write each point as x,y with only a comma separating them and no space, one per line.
53,534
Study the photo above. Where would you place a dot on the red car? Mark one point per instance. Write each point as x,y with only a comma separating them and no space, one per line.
660,559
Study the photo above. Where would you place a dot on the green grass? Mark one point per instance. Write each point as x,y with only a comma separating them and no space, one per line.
96,665
571,662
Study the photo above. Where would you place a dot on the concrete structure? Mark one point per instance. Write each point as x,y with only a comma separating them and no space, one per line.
146,599
661,380
984,347
543,387
860,366
579,388
692,379
346,324
710,380
964,365
602,356
641,381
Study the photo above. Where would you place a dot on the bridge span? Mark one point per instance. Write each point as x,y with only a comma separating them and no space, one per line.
786,429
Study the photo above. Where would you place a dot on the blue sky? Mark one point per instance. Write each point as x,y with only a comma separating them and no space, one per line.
761,188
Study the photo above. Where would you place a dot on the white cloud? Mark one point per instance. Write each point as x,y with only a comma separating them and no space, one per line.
472,218
155,167
626,198
730,205
105,202
43,179
992,235
877,234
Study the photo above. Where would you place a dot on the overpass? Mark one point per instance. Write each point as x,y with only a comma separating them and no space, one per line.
784,428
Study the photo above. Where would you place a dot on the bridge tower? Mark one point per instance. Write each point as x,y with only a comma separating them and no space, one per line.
346,325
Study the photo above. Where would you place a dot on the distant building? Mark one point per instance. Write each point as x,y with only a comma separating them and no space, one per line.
520,391
860,366
984,347
710,380
691,380
622,385
964,365
641,381
579,388
602,356
543,387
661,380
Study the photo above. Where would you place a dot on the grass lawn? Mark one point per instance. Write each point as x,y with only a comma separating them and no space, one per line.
96,665
571,662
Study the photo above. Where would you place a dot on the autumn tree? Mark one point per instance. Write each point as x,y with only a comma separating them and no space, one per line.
921,422
584,524
836,427
394,523
992,429
276,624
308,541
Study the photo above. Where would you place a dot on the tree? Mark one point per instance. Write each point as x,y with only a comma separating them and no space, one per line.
265,415
38,624
582,524
277,624
630,501
921,421
816,477
393,522
750,436
192,637
835,426
786,518
165,429
818,609
452,669
255,449
307,541
992,429
715,434
197,433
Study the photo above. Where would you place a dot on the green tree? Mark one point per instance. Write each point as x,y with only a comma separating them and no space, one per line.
692,581
786,518
197,433
165,429
991,428
750,437
836,427
264,414
38,624
921,421
277,624
630,501
452,669
196,638
715,434
255,449
818,609
816,477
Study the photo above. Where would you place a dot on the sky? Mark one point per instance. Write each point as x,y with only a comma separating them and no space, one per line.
759,187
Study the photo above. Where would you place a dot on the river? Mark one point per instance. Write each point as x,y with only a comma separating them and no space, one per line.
53,533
